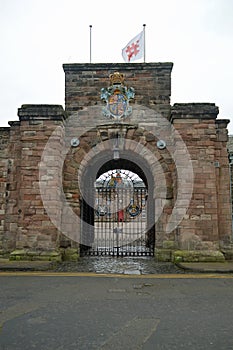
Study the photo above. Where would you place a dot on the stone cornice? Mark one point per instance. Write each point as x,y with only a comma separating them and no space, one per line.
222,123
194,111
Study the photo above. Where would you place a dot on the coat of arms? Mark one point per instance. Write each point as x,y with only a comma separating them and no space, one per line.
117,97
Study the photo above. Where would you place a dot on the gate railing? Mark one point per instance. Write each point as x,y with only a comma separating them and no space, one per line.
120,223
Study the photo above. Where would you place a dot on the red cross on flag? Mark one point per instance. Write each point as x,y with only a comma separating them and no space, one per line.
134,49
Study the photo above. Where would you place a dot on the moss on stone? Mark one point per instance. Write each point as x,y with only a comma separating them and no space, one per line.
28,255
228,254
163,255
70,254
19,254
169,245
4,254
197,256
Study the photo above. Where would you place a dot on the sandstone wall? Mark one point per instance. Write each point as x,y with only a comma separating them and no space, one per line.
208,220
39,184
151,81
4,164
27,222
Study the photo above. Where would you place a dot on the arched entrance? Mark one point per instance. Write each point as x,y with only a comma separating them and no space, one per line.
117,210
93,160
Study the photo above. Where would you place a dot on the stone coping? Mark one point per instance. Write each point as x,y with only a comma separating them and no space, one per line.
41,111
117,66
194,110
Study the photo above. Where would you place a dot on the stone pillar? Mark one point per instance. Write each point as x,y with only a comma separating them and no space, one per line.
224,184
33,229
208,218
4,154
230,157
12,188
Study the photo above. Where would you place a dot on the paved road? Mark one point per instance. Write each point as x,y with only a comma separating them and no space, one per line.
80,312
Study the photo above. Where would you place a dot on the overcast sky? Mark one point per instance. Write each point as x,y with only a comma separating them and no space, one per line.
38,36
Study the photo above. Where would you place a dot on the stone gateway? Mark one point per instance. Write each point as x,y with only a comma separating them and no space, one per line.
118,172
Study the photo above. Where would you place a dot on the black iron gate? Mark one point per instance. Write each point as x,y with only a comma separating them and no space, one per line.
120,222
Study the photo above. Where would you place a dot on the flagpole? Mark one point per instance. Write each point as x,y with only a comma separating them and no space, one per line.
90,41
144,32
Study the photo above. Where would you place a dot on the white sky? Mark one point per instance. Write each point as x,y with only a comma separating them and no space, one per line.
38,36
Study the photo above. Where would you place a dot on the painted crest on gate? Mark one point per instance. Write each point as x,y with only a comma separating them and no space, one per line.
117,97
134,210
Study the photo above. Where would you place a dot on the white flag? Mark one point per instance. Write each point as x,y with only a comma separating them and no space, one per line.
134,49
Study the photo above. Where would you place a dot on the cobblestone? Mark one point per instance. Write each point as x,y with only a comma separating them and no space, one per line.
118,265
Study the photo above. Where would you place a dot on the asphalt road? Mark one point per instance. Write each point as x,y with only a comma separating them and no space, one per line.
118,312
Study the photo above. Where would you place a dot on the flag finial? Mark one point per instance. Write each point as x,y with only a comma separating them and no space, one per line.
144,44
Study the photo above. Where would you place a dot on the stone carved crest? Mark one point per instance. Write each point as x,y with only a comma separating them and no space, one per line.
117,97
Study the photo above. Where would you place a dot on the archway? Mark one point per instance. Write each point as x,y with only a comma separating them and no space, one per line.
93,158
117,208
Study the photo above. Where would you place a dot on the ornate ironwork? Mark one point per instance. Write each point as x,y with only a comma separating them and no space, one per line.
120,216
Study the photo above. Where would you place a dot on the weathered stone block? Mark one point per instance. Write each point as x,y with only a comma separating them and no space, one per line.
197,256
228,254
70,254
20,254
169,245
37,255
163,255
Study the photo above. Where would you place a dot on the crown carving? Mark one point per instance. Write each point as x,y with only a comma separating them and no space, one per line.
116,78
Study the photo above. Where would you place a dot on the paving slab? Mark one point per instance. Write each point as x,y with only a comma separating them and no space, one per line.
9,265
225,267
